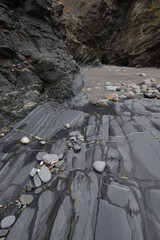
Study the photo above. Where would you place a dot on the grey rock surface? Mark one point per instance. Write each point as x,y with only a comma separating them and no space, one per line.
77,202
22,226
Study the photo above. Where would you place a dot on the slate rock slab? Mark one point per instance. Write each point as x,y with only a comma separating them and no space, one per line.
45,174
8,221
99,166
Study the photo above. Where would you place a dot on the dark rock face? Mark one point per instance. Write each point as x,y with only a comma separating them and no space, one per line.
114,32
34,62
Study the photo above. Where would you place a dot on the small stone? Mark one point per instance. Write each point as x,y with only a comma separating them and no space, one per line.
52,170
59,164
29,186
138,91
88,89
142,75
97,88
60,156
40,155
73,133
33,172
42,142
70,145
25,140
45,174
38,190
145,87
122,97
155,91
99,166
26,199
113,97
73,138
111,88
150,82
3,232
102,102
108,84
134,86
19,205
158,95
80,137
8,221
130,95
76,148
67,126
148,95
50,158
37,181
158,87
41,163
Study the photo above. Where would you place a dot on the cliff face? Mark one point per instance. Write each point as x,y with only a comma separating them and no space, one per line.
114,32
34,62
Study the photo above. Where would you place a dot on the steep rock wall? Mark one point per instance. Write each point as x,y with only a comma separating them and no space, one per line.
34,62
114,32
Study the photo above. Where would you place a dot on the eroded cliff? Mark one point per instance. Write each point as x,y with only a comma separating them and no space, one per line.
34,62
114,32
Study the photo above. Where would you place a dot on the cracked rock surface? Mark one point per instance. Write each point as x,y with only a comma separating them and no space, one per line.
76,201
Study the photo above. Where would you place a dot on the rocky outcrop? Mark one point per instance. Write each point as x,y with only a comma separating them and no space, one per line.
34,62
114,32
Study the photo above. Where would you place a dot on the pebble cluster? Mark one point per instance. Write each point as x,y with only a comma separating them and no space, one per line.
48,163
148,88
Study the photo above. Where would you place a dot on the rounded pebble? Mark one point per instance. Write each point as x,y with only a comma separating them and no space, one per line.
45,174
50,158
99,166
33,172
25,140
8,221
40,155
26,199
